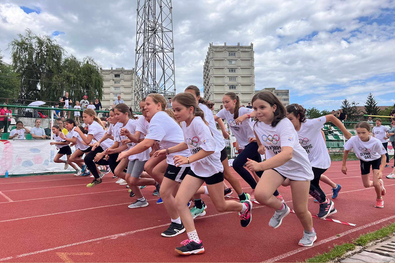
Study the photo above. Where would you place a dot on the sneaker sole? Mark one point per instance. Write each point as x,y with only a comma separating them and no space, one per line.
179,232
201,214
334,211
381,207
141,206
193,252
309,245
281,221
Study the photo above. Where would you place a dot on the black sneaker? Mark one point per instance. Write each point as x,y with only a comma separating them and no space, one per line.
190,247
246,217
325,209
131,194
228,191
174,230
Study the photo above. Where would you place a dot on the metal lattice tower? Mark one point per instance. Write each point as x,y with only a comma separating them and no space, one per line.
154,59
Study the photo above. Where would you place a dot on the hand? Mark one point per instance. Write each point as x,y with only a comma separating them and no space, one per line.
121,156
344,169
251,139
126,141
77,129
253,165
226,135
106,157
180,160
160,152
124,132
95,145
44,136
98,157
51,143
261,150
110,151
347,135
240,119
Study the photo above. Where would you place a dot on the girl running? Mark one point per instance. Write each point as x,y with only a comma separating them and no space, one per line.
95,131
285,159
63,146
168,133
380,132
310,137
370,152
206,167
238,121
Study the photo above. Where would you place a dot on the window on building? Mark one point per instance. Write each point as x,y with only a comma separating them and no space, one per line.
232,62
232,70
232,78
117,88
117,75
232,54
117,81
232,86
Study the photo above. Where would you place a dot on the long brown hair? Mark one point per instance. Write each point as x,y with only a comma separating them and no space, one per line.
197,93
233,96
122,107
188,100
270,98
363,124
297,109
92,113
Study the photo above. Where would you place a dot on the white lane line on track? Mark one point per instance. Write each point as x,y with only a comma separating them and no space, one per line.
6,197
329,239
39,181
50,187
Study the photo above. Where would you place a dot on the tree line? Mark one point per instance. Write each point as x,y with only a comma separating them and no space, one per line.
41,71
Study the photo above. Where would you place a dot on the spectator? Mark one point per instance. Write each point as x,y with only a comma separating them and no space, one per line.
61,128
19,132
342,116
77,114
221,107
91,106
334,113
106,114
391,136
370,121
169,104
249,105
116,102
37,132
5,118
97,104
84,102
67,103
56,113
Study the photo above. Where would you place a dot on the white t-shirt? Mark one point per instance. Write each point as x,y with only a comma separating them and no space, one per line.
37,131
79,143
91,106
21,134
168,133
198,136
243,131
209,117
284,134
380,133
365,151
77,113
131,126
311,139
59,139
98,132
142,125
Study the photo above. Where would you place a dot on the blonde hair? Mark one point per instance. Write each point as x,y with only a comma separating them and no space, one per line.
157,98
92,113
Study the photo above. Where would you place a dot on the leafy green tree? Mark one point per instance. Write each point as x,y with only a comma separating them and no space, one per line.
371,106
350,109
9,81
325,112
91,79
312,113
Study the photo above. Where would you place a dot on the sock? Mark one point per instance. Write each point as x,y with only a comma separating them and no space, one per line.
177,220
205,190
142,199
282,207
245,207
242,197
198,203
157,186
193,236
312,231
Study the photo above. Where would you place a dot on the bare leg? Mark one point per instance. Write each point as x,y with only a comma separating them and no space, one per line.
166,193
328,181
300,195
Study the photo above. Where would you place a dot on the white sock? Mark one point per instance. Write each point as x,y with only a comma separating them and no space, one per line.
193,236
142,199
177,220
245,207
205,190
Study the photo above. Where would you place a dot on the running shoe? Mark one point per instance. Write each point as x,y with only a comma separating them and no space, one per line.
66,165
198,211
189,203
228,192
123,182
379,203
278,216
143,186
114,176
102,175
333,211
131,194
108,170
139,204
190,247
119,180
246,217
155,192
94,182
308,239
390,176
83,168
325,209
78,173
160,201
336,191
383,191
174,230
86,173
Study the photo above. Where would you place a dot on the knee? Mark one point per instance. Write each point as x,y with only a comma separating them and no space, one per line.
238,164
366,184
262,197
220,207
180,204
132,180
148,168
301,212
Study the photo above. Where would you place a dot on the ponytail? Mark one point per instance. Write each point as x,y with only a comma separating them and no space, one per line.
196,91
92,113
233,96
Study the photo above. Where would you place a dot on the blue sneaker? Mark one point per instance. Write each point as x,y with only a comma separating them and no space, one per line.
159,201
83,168
336,191
142,187
189,203
87,173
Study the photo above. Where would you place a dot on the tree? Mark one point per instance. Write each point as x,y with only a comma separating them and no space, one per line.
371,106
350,109
312,113
9,81
325,112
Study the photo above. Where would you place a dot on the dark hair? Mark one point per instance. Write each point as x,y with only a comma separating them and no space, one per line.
233,96
188,100
197,93
56,126
378,119
122,107
18,122
297,110
71,121
84,131
270,98
363,124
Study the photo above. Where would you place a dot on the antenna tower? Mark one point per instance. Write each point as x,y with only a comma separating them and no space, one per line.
154,59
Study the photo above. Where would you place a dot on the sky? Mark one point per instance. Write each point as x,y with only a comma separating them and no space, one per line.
322,51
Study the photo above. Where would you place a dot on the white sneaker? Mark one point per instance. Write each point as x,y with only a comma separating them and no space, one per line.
66,165
391,176
119,180
123,182
78,173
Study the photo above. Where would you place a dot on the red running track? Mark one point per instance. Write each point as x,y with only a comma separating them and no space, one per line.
57,219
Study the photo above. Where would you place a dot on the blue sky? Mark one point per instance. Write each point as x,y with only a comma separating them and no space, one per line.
323,51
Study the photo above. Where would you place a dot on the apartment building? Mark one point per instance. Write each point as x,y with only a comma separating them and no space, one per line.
282,94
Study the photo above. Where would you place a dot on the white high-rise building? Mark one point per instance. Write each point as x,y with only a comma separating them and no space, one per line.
282,94
229,69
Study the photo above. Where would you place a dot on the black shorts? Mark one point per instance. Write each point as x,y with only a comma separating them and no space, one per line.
365,166
87,150
176,173
214,179
65,150
224,154
279,173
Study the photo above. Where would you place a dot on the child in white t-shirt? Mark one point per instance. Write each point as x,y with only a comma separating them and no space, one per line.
380,132
206,167
370,152
77,114
19,132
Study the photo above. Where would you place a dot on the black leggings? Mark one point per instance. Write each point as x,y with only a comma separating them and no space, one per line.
91,164
251,152
385,144
315,189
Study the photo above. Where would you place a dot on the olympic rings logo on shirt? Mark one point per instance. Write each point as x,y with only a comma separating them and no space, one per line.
304,141
364,149
232,122
271,139
194,141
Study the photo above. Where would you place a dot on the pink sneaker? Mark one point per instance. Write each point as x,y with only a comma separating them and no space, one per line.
246,217
379,203
383,191
190,247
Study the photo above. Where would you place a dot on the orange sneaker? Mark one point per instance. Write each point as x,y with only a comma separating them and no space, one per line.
379,203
